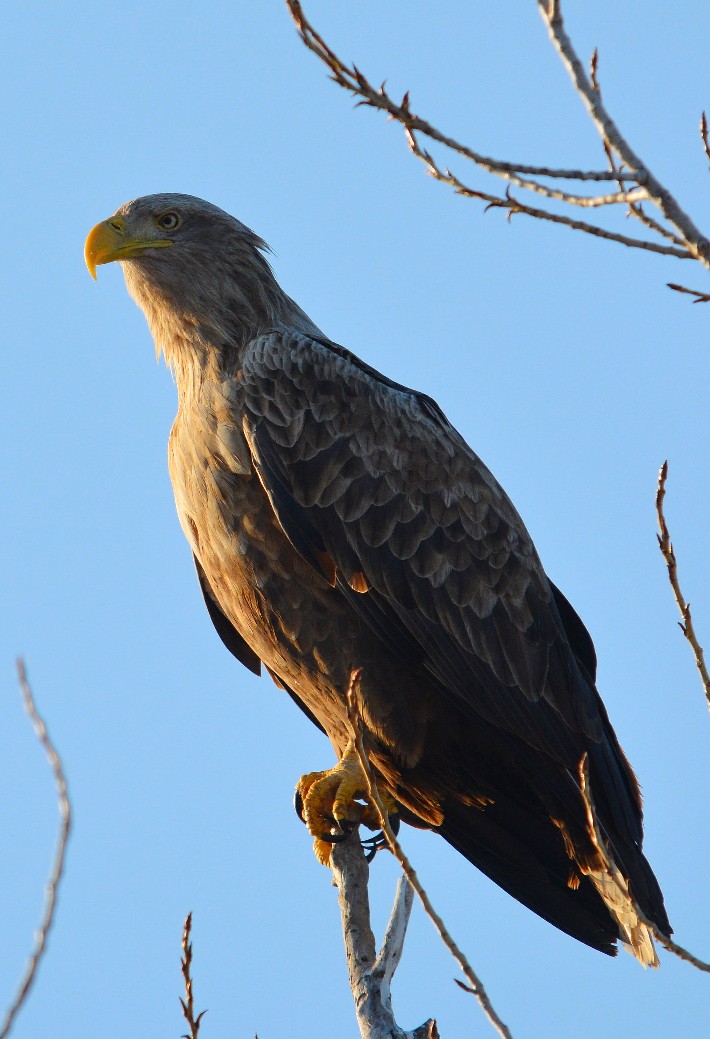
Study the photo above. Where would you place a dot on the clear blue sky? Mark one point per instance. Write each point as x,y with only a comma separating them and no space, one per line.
564,361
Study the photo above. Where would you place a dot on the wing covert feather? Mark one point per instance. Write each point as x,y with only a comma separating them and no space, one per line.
378,479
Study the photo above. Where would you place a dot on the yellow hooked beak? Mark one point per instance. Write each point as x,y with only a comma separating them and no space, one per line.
109,241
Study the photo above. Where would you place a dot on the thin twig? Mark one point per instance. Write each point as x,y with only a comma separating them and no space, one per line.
629,198
188,1003
666,546
658,228
700,297
697,243
635,209
374,798
352,79
513,206
688,241
55,876
393,942
612,870
593,69
704,134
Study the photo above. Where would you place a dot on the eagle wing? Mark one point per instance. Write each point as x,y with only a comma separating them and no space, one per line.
379,493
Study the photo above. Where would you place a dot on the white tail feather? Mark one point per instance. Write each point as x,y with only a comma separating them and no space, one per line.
614,890
613,886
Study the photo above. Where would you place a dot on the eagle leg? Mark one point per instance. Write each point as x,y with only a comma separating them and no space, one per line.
332,804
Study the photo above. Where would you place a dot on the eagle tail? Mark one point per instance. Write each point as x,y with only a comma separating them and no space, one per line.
633,932
515,851
579,889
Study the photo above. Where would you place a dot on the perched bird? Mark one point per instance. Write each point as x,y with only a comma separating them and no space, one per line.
339,522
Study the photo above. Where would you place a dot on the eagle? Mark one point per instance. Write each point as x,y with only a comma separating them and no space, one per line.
340,524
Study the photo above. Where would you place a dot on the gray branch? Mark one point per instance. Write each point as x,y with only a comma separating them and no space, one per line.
697,243
60,782
370,974
635,181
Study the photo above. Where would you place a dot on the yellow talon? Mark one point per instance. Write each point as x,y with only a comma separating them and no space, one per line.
333,803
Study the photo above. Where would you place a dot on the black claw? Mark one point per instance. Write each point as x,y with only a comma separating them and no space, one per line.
372,845
370,851
378,841
298,805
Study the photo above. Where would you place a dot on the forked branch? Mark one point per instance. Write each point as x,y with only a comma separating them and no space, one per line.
697,244
475,985
370,975
674,234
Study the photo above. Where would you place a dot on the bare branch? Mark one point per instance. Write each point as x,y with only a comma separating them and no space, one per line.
514,206
593,69
700,297
58,867
697,244
704,134
373,795
636,182
659,229
352,79
583,201
188,1004
666,546
393,941
635,209
613,871
369,976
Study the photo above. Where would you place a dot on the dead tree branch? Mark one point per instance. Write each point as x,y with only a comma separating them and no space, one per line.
188,1003
513,205
696,243
700,297
476,985
370,975
704,134
666,546
636,183
58,867
393,941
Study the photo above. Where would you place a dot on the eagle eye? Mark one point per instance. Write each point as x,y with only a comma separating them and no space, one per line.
169,221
